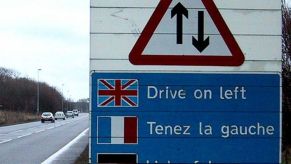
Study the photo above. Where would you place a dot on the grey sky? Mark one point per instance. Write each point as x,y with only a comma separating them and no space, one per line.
49,34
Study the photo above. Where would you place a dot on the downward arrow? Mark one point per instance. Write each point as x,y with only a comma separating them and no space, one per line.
179,10
200,44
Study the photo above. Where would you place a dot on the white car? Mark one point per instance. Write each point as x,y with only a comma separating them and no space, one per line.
70,114
60,115
47,116
76,112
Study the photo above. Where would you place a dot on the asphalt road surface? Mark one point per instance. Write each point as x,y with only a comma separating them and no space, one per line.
35,142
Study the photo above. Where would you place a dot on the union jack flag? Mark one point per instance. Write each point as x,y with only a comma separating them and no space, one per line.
117,93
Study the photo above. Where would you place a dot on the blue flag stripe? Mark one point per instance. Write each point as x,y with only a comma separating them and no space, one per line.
104,130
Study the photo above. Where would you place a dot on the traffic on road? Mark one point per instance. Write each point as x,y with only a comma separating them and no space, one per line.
38,140
48,116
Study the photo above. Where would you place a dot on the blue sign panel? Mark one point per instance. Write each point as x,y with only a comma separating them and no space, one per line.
185,118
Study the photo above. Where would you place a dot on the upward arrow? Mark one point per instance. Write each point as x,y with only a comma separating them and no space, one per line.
200,44
179,10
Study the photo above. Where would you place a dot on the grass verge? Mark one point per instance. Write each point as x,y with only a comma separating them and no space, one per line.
83,158
286,156
11,118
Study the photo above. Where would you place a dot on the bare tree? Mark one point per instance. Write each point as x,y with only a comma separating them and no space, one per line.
286,39
19,94
286,75
8,73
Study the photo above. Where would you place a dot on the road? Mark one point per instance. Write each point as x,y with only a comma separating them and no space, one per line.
35,142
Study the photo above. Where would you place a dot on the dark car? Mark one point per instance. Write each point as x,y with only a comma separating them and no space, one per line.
47,116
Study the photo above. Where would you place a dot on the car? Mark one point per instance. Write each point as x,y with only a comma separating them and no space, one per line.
70,114
47,116
76,112
60,115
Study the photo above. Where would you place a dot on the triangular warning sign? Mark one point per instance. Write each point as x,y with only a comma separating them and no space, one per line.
200,43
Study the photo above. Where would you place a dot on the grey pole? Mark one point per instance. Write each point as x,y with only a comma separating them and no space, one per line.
62,98
38,70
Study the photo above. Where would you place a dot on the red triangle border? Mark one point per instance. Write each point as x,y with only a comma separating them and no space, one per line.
137,58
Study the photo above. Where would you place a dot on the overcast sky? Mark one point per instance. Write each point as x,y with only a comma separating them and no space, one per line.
49,34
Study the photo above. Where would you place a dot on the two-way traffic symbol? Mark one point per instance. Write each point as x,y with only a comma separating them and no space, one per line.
156,45
179,11
200,44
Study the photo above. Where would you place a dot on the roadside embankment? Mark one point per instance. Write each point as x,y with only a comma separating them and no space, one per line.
83,159
286,156
10,118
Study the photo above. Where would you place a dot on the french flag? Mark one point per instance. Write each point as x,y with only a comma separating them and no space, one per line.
117,130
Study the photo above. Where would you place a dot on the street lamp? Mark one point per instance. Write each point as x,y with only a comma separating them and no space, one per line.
68,100
37,108
62,98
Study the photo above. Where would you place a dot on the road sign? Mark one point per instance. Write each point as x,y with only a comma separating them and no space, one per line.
193,50
176,81
188,118
255,25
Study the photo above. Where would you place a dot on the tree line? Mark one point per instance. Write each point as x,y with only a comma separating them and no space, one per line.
286,74
20,94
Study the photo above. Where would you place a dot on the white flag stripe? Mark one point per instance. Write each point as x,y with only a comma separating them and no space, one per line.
117,130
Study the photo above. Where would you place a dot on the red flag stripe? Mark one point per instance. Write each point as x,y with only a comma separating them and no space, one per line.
107,84
130,130
127,100
117,93
128,84
107,101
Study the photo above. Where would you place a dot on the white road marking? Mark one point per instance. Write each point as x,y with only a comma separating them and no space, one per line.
5,141
28,134
49,128
17,131
12,132
2,141
39,131
65,148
